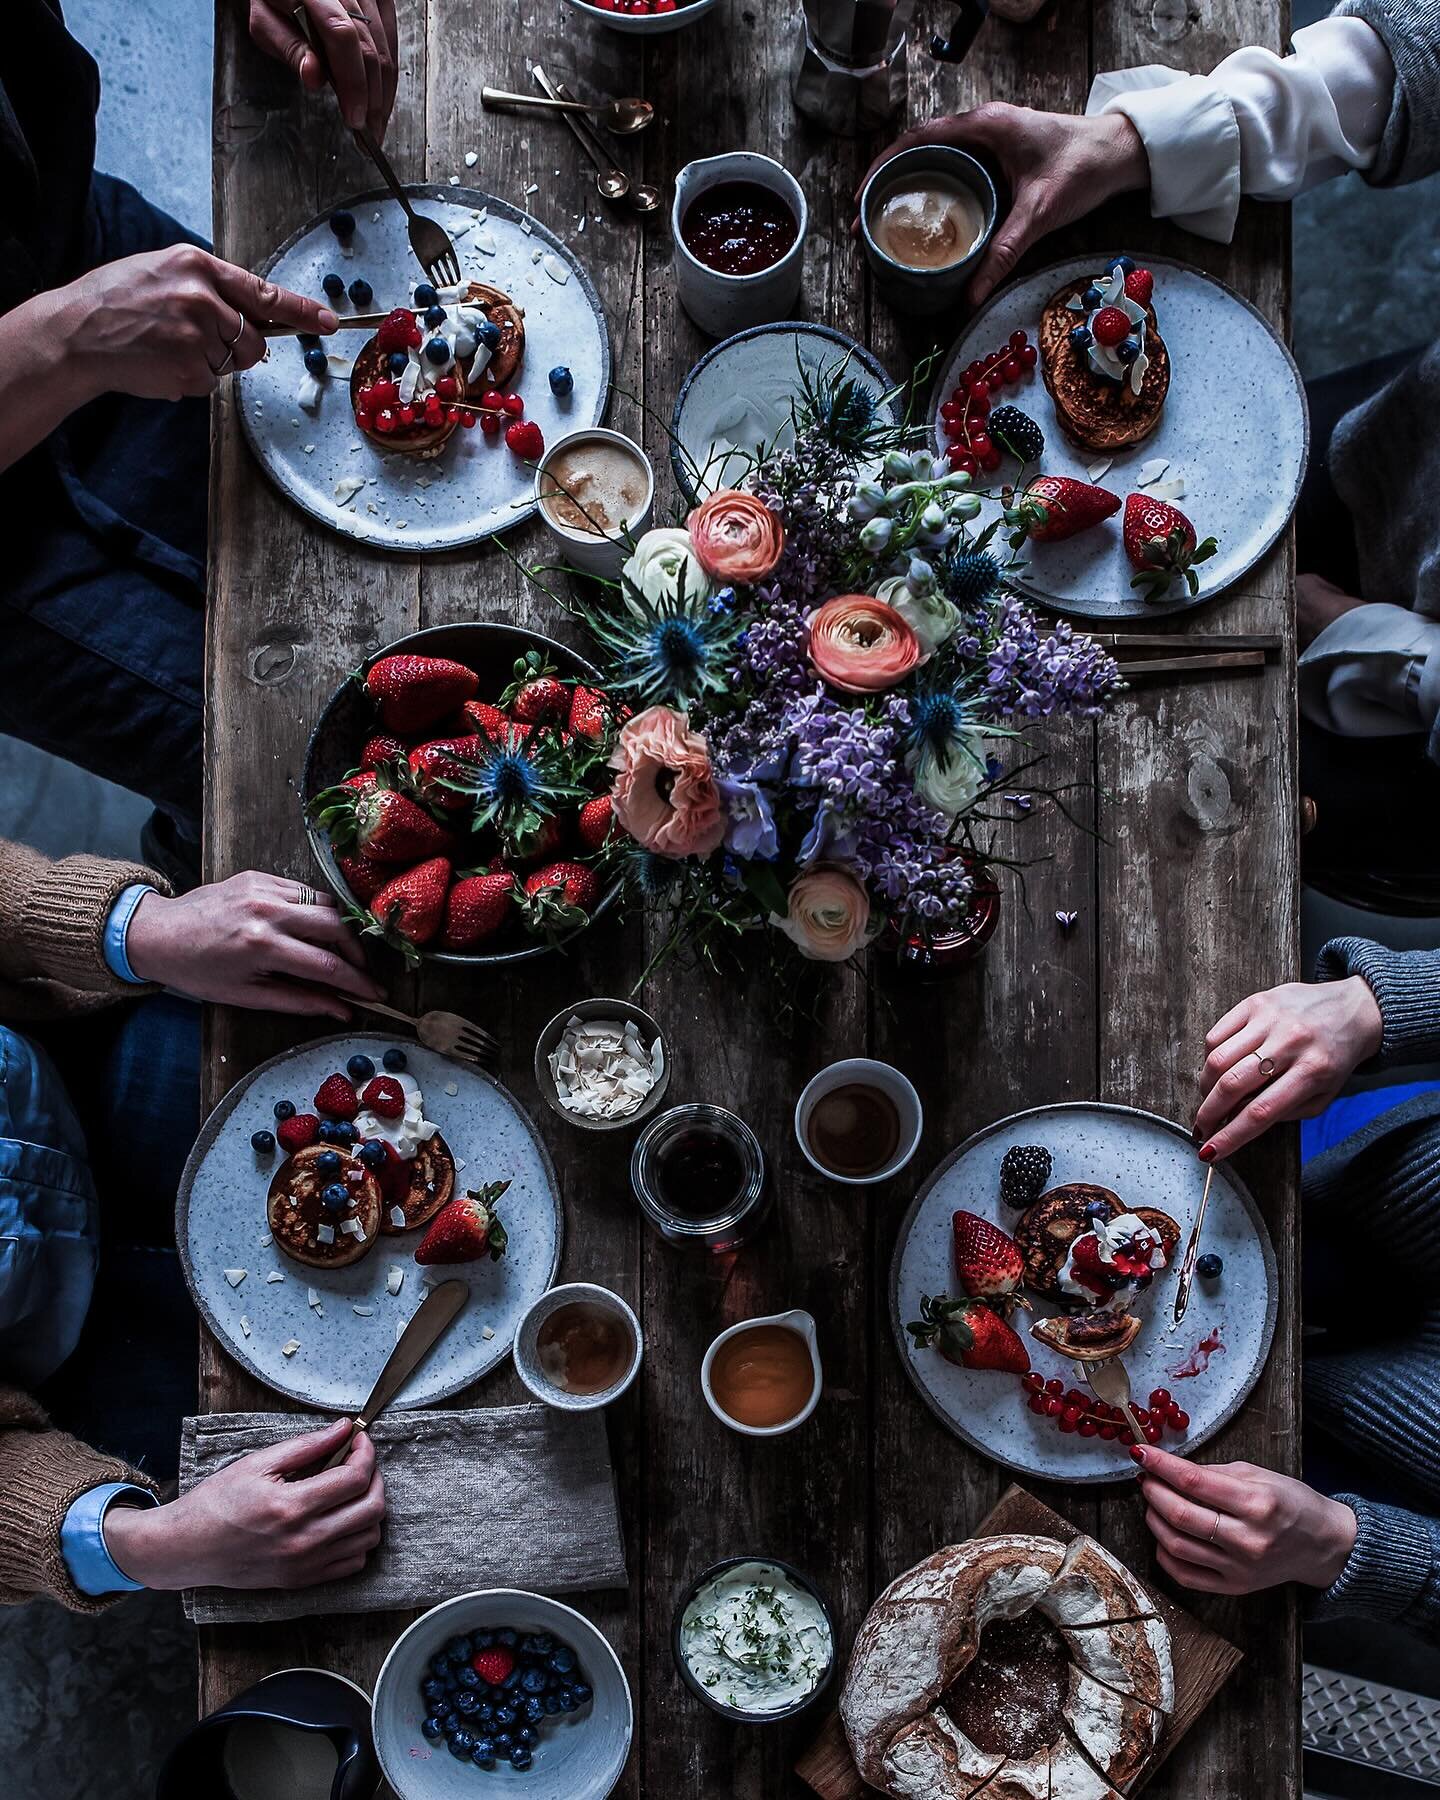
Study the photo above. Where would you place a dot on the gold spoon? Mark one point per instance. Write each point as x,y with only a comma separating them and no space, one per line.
643,195
622,117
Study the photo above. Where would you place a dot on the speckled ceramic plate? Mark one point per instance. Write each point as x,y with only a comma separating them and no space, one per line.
476,487
738,397
1235,428
220,1225
1147,1161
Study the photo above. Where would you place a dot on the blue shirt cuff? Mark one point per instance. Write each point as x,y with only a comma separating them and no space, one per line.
82,1539
117,927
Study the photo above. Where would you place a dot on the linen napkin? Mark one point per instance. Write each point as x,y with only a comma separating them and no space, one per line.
509,1496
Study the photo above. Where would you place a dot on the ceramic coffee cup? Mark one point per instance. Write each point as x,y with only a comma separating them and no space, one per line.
600,553
927,290
863,1071
722,304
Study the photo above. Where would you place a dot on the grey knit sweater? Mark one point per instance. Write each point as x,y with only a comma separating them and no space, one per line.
1384,1403
1385,455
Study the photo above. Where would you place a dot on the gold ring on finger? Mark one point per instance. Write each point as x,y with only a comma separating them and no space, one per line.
1267,1064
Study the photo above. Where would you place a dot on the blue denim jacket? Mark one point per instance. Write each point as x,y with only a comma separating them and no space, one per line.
49,1217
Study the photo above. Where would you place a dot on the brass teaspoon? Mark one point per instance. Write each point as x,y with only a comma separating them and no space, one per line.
622,117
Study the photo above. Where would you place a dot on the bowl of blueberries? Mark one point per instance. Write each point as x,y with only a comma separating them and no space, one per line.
502,1682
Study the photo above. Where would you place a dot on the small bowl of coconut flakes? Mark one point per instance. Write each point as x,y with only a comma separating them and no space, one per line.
602,1065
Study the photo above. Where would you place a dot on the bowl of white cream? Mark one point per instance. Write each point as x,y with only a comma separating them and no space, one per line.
754,1640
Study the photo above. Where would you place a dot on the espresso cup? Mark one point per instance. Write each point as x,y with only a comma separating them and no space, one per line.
916,290
723,304
594,552
863,1071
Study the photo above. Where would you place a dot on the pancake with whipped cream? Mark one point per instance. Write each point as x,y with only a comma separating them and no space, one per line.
325,1215
419,1176
1106,395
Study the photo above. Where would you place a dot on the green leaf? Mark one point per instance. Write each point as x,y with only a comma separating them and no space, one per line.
761,880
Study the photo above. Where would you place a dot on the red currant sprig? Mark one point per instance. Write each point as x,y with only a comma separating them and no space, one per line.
1077,1412
380,409
963,415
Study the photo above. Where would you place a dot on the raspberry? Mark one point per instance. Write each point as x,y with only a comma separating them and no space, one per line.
385,1097
493,1665
297,1132
395,330
1111,326
336,1098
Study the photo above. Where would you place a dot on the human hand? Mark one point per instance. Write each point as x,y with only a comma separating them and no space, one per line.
1283,1054
170,322
254,940
359,43
1059,167
250,1526
1233,1528
1319,603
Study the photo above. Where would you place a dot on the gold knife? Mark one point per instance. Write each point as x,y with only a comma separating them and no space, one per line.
436,1315
1192,1249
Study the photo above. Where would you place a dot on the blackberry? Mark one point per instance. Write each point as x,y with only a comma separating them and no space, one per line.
1023,1174
1017,434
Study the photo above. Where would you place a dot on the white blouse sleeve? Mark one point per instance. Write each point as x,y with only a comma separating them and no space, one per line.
1373,672
1259,124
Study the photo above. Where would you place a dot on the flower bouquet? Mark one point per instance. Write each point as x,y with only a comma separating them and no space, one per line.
821,678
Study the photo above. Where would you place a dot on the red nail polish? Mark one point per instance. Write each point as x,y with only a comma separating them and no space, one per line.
1137,1453
1207,1153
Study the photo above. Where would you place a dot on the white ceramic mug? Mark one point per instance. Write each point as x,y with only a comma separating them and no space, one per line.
724,304
803,1326
863,1071
527,1353
596,553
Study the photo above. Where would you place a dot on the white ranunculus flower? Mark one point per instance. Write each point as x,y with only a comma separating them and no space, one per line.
953,788
932,617
655,568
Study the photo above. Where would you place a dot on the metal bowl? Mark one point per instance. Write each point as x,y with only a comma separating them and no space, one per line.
348,719
599,1009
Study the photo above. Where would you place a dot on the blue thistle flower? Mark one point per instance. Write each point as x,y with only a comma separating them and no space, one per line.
845,414
652,876
516,783
972,578
937,723
670,650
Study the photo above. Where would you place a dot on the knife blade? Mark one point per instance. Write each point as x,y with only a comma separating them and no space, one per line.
434,1318
1187,1268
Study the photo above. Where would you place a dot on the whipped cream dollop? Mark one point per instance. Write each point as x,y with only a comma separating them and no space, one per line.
406,1133
1103,358
1112,1238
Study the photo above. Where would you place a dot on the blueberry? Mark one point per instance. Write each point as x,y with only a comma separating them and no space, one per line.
435,315
466,1702
505,1716
432,1728
344,1132
316,362
445,1716
361,1068
425,294
394,1060
563,1660
520,1757
525,1735
307,340
552,1703
1125,264
562,382
437,351
533,1708
398,361
467,1677
503,1741
482,1640
1208,1267
489,334
263,1141
1080,338
342,223
543,1643
512,1680
361,291
328,1161
326,1133
461,1745
1128,349
507,1638
335,1197
334,287
533,1681
1090,299
582,1692
568,1702
1098,1209
432,1689
484,1712
483,1755
284,1109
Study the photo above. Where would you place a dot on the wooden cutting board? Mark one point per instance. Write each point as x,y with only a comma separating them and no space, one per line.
1204,1662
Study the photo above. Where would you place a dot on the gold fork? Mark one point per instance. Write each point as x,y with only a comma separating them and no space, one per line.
1111,1381
444,1032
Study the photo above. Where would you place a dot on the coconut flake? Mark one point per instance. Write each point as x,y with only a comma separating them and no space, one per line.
290,1348
347,488
324,1234
244,1326
265,1240
557,271
452,1087
1151,471
601,1069
1169,490
395,1278
1097,469
487,1333
397,1217
363,1312
273,1276
307,395
311,1297
354,1227
471,158
236,1276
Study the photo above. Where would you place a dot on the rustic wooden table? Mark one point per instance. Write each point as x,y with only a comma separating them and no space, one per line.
1186,891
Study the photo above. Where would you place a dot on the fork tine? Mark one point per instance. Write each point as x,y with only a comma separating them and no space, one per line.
477,1034
476,1052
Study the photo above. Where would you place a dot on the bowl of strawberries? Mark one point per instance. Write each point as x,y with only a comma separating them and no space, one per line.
457,794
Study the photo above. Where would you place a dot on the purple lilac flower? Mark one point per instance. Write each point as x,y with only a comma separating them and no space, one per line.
1032,676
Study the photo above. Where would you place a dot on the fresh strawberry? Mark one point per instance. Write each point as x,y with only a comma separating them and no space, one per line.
968,1333
407,911
363,877
297,1132
475,909
398,331
380,749
414,691
1139,286
526,439
1055,506
384,1096
336,1098
987,1259
1160,542
595,822
535,697
381,823
560,895
436,767
466,1229
589,714
493,1665
480,716
542,842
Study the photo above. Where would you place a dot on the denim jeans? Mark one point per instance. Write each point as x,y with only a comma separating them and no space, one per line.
102,599
133,1075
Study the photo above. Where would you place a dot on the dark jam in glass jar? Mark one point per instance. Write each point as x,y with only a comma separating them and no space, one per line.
699,1175
738,228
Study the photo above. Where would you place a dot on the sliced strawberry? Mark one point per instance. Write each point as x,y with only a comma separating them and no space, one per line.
987,1260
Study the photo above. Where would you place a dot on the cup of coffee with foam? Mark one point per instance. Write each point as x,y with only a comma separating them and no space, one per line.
926,217
859,1121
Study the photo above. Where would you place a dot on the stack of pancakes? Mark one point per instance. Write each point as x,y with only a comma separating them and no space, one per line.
1096,413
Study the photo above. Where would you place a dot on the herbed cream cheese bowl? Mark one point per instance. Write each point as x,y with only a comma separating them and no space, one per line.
698,1688
620,1010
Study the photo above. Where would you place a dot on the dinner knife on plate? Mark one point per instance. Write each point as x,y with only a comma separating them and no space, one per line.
1192,1250
437,1313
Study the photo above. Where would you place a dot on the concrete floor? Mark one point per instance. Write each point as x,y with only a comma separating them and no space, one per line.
94,1703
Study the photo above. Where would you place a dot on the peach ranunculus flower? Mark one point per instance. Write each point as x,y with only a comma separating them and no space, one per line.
860,645
665,794
736,536
828,914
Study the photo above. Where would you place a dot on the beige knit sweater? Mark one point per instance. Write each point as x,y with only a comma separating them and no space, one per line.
52,962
